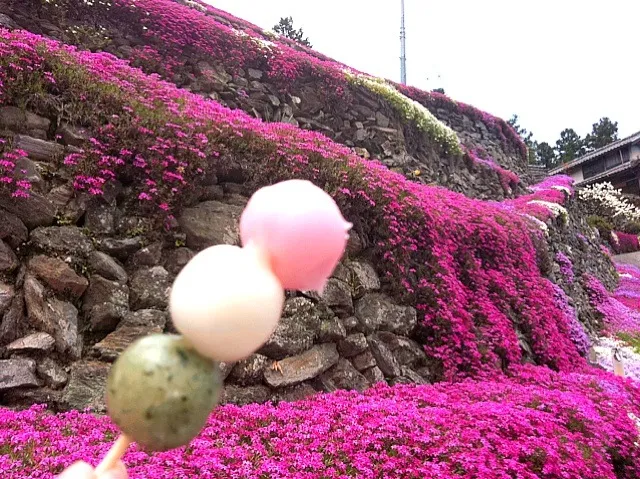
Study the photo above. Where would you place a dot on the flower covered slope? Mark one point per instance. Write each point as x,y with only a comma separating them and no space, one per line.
468,266
178,34
542,425
621,317
430,100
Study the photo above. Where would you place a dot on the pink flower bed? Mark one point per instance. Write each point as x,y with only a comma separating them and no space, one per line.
576,330
628,291
539,425
18,185
620,311
468,266
627,243
435,100
174,32
566,266
508,179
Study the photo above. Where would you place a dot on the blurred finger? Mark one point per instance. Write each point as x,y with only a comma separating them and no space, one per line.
79,470
118,472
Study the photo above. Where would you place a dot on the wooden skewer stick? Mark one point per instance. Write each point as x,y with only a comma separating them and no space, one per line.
618,367
113,456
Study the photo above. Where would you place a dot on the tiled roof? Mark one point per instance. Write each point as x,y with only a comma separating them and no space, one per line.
594,154
623,167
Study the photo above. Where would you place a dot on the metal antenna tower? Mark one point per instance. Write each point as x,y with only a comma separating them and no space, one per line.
403,48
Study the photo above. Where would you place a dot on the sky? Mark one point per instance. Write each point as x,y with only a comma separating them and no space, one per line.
555,63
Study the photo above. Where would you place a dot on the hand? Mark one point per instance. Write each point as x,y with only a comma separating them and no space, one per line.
82,470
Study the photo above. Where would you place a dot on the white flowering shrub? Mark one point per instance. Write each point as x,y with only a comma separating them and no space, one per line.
604,200
555,209
411,110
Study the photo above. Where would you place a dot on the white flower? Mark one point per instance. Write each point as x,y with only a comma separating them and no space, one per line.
562,188
604,200
555,209
539,223
410,109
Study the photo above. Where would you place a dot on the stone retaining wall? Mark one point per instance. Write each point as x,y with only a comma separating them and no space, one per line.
367,123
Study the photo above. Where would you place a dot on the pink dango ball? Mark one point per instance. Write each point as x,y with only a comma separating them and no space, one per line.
226,302
302,230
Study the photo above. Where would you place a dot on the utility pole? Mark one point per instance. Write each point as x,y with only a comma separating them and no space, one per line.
403,48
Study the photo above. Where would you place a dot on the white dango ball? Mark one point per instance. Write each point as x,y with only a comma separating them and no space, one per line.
226,302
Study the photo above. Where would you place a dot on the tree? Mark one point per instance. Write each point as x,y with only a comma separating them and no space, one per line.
569,146
527,137
285,28
546,155
438,90
603,133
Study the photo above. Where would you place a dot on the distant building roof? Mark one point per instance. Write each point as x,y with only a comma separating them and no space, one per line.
623,167
594,154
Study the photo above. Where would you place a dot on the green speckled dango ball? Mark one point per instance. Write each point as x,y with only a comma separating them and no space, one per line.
160,391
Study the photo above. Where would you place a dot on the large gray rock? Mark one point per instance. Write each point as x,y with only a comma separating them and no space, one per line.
303,367
21,397
342,273
337,295
295,331
36,122
28,170
148,256
350,324
352,345
39,150
412,376
12,322
178,259
331,330
374,375
406,351
146,317
52,373
7,22
225,369
62,240
343,376
116,342
364,361
59,196
105,303
72,135
107,267
58,275
250,371
52,316
241,396
100,219
150,288
87,386
8,259
121,248
36,342
68,340
384,357
294,393
365,278
7,293
210,223
12,117
375,311
17,373
12,229
355,245
16,119
34,211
